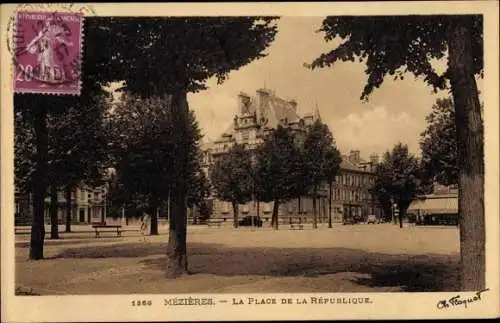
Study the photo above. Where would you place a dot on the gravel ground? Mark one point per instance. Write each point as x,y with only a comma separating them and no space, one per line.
358,258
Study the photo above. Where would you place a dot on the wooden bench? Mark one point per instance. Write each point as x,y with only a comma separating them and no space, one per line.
22,230
214,223
294,225
107,226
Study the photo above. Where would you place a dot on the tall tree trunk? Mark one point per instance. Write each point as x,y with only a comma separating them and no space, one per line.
275,221
330,204
235,214
68,208
177,263
54,223
299,211
154,218
315,220
470,139
39,183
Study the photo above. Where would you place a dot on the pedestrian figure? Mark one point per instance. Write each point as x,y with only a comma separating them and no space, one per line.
144,225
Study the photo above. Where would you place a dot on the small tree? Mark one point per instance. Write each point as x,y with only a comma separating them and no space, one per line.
231,176
77,148
198,190
322,161
439,144
278,170
397,179
333,159
144,150
198,186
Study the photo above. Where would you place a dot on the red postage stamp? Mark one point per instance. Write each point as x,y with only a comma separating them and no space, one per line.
47,52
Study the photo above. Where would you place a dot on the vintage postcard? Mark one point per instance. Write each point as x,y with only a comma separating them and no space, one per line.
249,161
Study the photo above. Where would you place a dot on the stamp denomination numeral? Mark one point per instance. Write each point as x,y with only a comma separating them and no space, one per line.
25,74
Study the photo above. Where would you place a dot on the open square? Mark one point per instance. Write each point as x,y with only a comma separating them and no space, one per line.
360,258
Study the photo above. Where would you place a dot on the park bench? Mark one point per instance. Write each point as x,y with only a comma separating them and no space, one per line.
98,226
21,230
296,225
217,223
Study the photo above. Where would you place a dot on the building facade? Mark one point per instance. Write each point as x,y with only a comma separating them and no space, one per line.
351,196
255,117
440,207
88,205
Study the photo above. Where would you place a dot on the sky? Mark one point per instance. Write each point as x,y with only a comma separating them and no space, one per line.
395,112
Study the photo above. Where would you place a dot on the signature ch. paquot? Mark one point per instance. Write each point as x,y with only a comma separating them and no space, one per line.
460,301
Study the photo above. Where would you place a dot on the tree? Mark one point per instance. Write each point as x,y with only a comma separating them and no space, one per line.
24,152
322,161
198,188
397,179
231,176
398,44
198,185
34,109
75,150
173,56
144,141
439,144
333,159
278,170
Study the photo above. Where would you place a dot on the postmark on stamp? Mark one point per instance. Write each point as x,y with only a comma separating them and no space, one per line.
47,52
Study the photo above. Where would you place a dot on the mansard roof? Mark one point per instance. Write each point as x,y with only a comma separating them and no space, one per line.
347,164
270,112
277,109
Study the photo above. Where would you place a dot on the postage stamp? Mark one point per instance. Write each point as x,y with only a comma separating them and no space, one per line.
47,52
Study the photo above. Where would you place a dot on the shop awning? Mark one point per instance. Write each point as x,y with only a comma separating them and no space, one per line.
435,205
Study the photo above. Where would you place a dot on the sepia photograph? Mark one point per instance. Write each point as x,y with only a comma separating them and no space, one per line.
209,162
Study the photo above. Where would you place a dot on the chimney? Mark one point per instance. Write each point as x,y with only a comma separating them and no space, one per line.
354,156
243,103
263,99
374,159
293,104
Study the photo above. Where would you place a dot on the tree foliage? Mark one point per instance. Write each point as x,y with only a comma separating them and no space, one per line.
394,45
439,144
279,173
144,152
231,176
162,53
176,55
321,160
397,179
143,145
75,148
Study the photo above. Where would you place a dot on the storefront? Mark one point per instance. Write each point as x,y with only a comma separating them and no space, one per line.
435,209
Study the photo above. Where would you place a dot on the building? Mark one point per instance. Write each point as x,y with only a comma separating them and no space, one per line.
88,205
440,207
255,117
352,198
